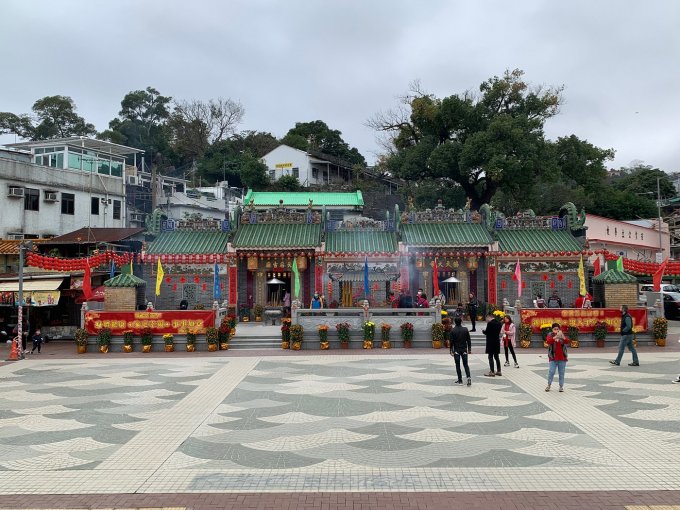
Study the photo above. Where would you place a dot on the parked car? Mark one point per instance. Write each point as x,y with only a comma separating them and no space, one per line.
671,305
648,287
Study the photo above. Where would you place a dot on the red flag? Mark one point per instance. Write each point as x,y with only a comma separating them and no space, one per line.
87,283
656,279
518,277
597,270
435,278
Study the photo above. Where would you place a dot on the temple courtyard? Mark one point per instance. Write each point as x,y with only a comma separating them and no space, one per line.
337,430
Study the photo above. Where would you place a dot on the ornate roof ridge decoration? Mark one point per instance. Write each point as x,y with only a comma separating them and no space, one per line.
280,215
614,276
195,225
439,214
575,220
360,225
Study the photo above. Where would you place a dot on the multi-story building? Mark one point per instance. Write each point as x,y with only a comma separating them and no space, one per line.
311,168
51,187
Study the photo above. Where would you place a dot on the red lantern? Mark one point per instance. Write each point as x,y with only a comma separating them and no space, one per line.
204,287
560,277
552,284
503,284
545,277
174,286
196,279
570,284
168,279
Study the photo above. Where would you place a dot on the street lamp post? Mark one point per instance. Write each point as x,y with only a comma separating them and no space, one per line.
658,204
20,311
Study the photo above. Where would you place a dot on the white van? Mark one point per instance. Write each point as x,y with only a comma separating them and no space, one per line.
648,287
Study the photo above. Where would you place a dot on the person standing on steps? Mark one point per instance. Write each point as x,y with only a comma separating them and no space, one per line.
557,355
626,339
508,333
460,345
472,306
493,344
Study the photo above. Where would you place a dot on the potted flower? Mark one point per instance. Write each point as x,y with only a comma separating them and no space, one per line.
147,339
660,330
525,335
224,333
191,340
369,334
444,315
600,333
128,340
385,335
546,328
323,336
446,323
231,321
211,336
169,341
499,315
257,311
437,335
104,340
245,313
407,334
297,333
343,334
572,335
81,340
285,333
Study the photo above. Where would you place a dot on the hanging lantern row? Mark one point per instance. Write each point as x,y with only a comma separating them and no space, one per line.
541,253
193,258
355,254
275,255
466,254
78,264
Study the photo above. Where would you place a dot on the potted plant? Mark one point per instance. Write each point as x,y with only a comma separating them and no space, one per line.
572,335
437,335
296,335
211,336
191,340
407,334
546,328
81,340
104,340
446,323
600,333
369,334
231,321
385,335
323,337
285,333
257,311
169,341
498,315
660,330
525,335
224,333
147,339
245,313
128,340
343,334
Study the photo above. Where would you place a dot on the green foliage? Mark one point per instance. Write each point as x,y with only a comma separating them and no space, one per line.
104,336
286,183
296,333
211,335
147,336
81,337
254,174
438,332
128,337
53,117
600,330
317,136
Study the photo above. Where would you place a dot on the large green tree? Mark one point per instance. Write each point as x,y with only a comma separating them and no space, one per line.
53,117
316,135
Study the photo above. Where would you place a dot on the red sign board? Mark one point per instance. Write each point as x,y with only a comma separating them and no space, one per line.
493,297
583,319
233,281
160,322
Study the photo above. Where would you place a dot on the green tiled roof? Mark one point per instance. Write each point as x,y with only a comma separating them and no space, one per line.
124,280
189,242
358,241
614,276
536,240
278,235
445,234
301,199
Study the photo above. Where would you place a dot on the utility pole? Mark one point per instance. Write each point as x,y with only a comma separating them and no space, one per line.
20,311
154,185
658,203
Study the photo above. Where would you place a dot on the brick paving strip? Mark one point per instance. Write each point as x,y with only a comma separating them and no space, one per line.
628,500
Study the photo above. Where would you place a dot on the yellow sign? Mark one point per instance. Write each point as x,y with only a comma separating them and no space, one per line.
39,298
284,165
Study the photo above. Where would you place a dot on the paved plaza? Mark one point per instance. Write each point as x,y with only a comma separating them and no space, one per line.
370,426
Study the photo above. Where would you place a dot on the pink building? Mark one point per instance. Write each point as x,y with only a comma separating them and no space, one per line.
635,240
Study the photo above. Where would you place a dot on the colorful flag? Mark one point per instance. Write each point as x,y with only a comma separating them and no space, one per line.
581,278
87,281
656,278
435,278
596,267
159,277
619,264
217,290
366,287
518,277
296,287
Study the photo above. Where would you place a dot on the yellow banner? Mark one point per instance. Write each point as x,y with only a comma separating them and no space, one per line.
39,297
283,165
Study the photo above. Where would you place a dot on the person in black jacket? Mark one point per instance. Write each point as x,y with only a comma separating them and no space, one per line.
626,339
472,310
460,345
405,299
493,344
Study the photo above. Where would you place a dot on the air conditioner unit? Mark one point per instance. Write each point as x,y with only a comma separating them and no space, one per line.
136,217
133,180
15,191
15,237
105,201
50,196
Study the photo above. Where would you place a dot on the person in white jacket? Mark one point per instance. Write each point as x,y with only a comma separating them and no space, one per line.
508,333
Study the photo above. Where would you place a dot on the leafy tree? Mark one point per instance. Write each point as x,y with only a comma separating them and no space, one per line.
316,135
53,117
624,205
642,179
286,183
254,174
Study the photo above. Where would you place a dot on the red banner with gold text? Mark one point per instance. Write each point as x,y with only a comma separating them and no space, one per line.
160,322
583,319
493,296
233,285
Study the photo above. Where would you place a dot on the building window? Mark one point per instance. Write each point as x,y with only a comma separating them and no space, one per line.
68,203
315,173
296,172
116,209
94,208
32,199
272,174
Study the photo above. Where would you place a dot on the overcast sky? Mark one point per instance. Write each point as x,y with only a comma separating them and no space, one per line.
341,61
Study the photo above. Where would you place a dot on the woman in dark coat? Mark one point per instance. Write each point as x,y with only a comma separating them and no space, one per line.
493,344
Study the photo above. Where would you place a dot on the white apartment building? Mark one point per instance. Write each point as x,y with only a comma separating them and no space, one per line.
52,187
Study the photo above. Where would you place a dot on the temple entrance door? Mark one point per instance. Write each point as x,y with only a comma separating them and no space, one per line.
346,293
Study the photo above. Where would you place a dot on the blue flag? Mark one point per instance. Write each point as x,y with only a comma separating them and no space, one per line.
366,277
113,269
217,290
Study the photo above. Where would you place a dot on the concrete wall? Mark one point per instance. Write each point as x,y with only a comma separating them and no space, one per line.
120,299
622,294
634,241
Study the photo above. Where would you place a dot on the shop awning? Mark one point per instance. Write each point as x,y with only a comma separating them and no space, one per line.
32,285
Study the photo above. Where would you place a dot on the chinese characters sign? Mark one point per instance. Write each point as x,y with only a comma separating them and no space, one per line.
160,322
583,319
